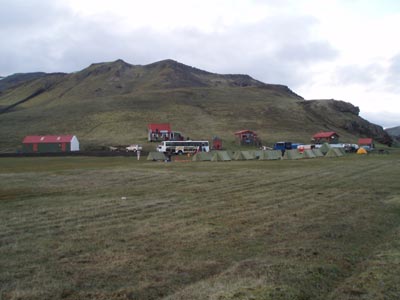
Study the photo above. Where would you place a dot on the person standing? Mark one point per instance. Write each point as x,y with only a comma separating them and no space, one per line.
138,154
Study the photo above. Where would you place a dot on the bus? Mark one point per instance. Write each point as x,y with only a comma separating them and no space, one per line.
183,147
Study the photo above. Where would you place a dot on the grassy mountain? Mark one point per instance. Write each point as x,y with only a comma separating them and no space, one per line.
111,103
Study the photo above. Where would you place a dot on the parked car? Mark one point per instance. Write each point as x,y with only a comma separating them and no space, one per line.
134,148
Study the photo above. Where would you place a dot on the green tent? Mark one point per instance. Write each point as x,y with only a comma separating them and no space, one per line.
244,155
154,156
339,151
325,148
220,156
292,154
257,154
202,156
230,153
318,152
342,150
270,155
308,153
333,152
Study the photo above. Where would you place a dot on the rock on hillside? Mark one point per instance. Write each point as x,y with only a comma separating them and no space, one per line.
348,119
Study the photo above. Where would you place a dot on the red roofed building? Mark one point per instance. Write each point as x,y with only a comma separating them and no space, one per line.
50,143
330,137
368,142
162,132
158,132
247,137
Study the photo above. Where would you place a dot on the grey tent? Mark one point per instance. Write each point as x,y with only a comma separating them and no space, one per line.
308,153
244,155
341,150
202,156
270,155
230,153
154,156
292,154
325,148
333,152
318,152
220,156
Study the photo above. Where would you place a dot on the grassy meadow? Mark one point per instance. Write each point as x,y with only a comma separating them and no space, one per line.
116,228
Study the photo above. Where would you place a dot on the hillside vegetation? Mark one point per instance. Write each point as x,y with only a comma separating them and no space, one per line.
112,103
116,228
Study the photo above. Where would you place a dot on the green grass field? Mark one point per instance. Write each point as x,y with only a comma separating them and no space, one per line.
116,228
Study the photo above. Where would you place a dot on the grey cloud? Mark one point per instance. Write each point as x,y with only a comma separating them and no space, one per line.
355,74
275,50
393,76
26,15
310,52
383,118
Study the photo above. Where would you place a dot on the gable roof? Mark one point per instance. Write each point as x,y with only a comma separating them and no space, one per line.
245,131
323,134
365,141
30,139
159,127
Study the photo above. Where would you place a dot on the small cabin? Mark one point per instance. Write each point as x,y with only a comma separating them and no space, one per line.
216,143
50,143
329,137
159,132
247,137
366,143
162,132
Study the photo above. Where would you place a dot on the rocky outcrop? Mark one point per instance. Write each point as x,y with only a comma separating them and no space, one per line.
345,115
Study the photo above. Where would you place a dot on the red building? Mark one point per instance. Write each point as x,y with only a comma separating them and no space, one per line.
247,137
162,132
330,137
159,132
50,143
366,142
217,143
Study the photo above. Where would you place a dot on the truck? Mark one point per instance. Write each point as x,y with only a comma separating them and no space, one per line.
283,146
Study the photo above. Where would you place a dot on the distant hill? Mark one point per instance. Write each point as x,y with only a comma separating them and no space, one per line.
394,133
19,78
112,103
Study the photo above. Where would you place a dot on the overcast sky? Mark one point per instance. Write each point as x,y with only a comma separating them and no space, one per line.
322,49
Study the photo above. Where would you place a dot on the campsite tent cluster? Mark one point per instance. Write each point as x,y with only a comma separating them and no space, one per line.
324,151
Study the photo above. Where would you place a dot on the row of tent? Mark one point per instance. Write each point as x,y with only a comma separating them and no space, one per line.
255,155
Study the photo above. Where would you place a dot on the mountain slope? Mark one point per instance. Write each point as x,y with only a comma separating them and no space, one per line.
112,103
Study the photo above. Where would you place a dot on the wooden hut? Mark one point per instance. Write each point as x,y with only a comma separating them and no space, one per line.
247,137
